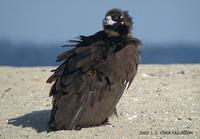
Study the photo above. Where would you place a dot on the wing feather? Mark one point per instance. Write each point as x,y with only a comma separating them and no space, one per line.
87,83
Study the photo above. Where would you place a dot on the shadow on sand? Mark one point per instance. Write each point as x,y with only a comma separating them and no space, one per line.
37,120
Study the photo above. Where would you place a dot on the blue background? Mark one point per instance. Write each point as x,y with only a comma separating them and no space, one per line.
32,31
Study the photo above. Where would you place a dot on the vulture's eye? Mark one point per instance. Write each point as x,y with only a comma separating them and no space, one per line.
115,18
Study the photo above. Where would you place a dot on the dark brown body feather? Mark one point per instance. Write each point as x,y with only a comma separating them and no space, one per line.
90,82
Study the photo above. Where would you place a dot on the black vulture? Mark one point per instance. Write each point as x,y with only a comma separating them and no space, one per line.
94,74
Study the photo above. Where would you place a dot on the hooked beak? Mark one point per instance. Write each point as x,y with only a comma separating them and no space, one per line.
108,21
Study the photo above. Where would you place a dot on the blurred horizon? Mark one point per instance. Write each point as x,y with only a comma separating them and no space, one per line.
13,54
31,32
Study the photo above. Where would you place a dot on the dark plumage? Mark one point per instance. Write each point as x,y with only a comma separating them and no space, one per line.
89,83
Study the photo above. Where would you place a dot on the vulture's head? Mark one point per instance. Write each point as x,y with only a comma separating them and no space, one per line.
117,22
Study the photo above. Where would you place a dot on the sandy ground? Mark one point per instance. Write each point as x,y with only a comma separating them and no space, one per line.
163,102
